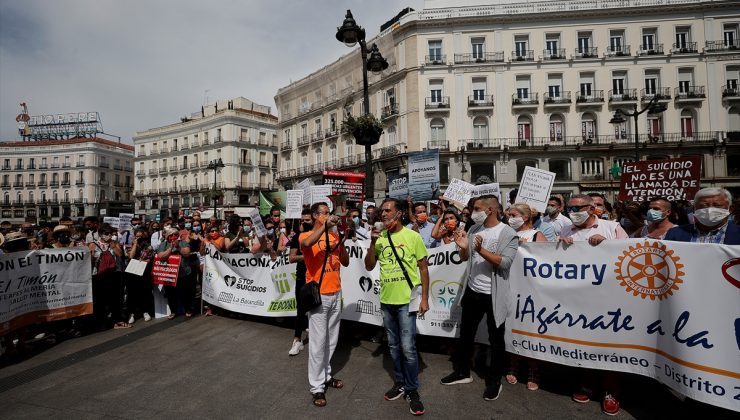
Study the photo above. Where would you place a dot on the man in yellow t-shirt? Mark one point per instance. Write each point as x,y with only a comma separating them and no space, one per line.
323,321
396,292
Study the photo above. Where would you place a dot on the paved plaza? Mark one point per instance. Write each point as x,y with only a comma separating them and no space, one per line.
236,368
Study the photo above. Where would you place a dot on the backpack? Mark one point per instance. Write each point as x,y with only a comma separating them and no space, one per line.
107,262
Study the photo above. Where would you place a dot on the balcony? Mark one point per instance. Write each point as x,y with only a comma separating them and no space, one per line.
29,202
18,167
623,96
54,184
595,97
389,151
117,167
436,103
64,165
194,145
684,48
80,164
54,166
523,55
286,146
303,141
154,151
184,147
18,184
730,93
689,94
245,162
264,164
265,142
184,167
206,142
5,185
79,182
42,183
30,185
163,170
173,168
655,49
556,54
317,137
722,46
31,166
218,139
152,171
100,164
331,133
140,154
558,100
494,57
66,183
617,51
140,172
663,94
42,166
79,200
435,60
480,102
439,144
588,52
389,111
526,100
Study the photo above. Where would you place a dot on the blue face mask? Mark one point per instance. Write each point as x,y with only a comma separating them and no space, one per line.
188,225
197,229
654,215
356,221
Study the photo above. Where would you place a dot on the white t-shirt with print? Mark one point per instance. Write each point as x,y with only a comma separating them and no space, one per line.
481,270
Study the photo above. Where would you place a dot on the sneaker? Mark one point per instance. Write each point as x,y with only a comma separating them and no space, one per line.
147,317
131,319
610,405
492,392
582,396
296,348
394,393
415,405
456,378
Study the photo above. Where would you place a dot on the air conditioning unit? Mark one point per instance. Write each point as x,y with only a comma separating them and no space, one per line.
654,139
589,140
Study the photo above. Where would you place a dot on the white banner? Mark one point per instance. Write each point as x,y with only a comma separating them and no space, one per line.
660,309
44,285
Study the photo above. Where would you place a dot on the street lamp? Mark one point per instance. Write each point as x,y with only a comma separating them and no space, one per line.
215,164
350,34
652,108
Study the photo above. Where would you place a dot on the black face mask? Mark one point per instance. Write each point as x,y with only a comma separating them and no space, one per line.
307,227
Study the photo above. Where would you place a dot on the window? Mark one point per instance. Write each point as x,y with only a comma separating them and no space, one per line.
435,50
524,130
584,43
435,91
616,41
592,169
304,160
685,81
333,121
618,84
319,156
731,78
649,39
652,82
482,172
729,35
552,45
317,127
480,128
523,163
554,85
333,152
588,127
392,137
477,47
556,128
437,130
687,124
586,81
655,126
479,89
561,168
683,37
522,87
521,46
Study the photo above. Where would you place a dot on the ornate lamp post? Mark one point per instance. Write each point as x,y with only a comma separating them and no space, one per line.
652,108
350,34
215,165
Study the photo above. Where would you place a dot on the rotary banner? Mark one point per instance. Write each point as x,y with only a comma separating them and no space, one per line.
667,310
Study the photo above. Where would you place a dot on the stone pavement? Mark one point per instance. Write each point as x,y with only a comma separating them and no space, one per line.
231,368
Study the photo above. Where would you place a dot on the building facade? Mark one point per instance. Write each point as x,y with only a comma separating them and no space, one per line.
500,87
48,179
172,162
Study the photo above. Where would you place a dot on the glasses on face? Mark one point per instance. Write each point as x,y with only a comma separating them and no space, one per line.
575,209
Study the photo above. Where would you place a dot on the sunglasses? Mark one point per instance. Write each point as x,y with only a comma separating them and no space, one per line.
575,209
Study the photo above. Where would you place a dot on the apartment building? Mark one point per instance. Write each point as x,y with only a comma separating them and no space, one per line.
512,84
175,163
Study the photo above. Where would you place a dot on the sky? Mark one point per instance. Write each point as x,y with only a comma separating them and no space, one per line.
145,63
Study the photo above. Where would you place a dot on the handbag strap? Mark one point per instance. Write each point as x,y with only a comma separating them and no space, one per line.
400,263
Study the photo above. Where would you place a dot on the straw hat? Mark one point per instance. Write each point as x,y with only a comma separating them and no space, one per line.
15,236
59,228
170,231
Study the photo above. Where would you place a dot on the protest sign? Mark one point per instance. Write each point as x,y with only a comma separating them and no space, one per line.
294,205
305,186
398,186
268,200
486,189
124,221
458,191
44,285
165,272
320,194
535,187
136,267
349,183
674,179
114,222
424,175
259,227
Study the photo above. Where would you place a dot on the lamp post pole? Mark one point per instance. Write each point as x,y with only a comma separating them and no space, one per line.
215,165
369,176
651,108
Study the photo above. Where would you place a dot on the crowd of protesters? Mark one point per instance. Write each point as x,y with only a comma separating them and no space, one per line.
486,232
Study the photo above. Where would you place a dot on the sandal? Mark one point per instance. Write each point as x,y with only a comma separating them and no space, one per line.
121,325
334,383
533,381
319,399
171,316
188,314
511,378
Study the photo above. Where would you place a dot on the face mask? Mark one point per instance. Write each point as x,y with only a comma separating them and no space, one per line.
434,218
247,229
307,227
392,223
114,238
188,225
270,232
579,217
711,216
451,225
422,217
76,237
105,238
516,222
196,228
654,215
625,222
479,217
605,216
283,230
550,210
356,221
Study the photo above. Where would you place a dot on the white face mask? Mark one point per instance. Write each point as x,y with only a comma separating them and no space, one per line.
479,217
711,216
579,217
516,222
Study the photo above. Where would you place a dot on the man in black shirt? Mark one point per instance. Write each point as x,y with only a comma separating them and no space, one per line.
301,321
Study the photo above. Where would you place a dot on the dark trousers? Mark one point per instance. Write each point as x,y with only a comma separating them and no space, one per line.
139,298
107,298
474,306
180,297
301,319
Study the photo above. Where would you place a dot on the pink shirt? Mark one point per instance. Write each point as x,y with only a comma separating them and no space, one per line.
605,228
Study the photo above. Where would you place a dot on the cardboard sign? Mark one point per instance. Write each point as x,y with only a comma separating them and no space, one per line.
305,186
320,194
535,188
486,189
674,179
398,186
458,191
136,267
124,221
165,272
424,175
294,205
257,225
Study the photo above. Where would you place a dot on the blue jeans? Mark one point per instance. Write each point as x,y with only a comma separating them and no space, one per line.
400,325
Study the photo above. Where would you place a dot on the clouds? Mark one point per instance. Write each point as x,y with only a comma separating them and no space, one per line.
143,64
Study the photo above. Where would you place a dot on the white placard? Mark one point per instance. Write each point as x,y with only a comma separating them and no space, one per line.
305,186
114,222
136,267
458,191
124,223
294,204
535,187
321,193
486,189
259,227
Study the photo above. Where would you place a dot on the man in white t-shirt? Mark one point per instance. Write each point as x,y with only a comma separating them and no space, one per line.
554,215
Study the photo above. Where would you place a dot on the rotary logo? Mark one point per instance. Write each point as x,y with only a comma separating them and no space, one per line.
649,270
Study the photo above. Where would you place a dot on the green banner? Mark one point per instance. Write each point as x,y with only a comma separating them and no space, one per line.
270,199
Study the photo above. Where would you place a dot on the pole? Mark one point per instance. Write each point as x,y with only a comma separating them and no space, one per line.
369,176
637,136
215,170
